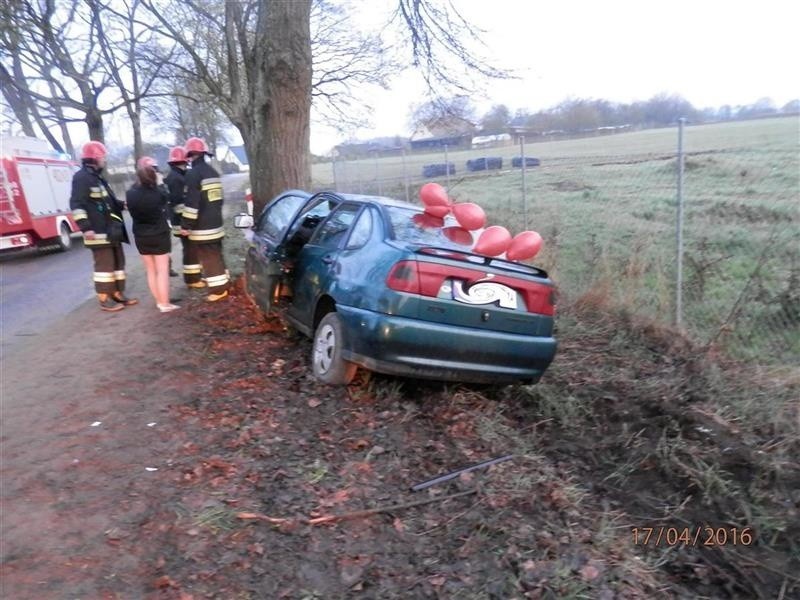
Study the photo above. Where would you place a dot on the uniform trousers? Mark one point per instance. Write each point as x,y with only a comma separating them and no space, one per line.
109,269
214,272
192,271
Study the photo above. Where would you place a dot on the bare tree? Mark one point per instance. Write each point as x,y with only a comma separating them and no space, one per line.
255,59
56,49
260,77
445,116
131,58
345,58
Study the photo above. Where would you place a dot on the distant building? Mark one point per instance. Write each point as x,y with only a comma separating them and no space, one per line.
236,155
494,140
383,146
424,138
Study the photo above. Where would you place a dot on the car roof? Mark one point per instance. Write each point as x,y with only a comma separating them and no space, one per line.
382,200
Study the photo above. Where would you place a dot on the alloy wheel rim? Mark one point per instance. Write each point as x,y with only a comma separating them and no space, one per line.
324,348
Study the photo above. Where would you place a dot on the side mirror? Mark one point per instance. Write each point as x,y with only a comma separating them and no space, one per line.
243,221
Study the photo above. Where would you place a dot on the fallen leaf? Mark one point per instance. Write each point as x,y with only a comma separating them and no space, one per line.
437,580
589,573
163,582
398,525
314,402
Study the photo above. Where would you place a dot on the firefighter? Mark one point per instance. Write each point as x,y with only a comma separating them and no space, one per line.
202,218
176,185
98,213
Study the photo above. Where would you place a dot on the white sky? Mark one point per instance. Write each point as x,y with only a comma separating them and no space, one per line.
711,52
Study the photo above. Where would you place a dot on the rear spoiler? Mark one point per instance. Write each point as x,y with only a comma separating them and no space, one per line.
482,261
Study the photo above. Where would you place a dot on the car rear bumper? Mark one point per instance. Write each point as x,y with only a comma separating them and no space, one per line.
414,348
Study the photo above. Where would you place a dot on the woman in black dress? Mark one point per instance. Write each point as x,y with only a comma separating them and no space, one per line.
147,204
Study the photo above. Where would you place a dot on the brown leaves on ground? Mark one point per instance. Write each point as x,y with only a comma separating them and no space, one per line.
266,454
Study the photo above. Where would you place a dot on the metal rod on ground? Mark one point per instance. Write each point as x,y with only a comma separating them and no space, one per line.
454,474
447,168
524,186
679,230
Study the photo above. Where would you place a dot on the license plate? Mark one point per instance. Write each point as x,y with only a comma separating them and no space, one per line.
480,294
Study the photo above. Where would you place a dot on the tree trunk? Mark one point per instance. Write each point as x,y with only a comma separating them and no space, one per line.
94,121
276,129
136,124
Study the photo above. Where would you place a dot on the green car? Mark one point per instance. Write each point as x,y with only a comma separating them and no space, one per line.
377,283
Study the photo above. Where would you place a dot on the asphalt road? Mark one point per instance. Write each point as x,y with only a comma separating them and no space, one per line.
38,289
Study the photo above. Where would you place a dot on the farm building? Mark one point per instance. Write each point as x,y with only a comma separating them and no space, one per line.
424,138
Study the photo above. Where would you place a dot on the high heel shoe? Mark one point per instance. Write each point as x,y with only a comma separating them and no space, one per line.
167,307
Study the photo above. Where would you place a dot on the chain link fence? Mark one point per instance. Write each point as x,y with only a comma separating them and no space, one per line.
607,208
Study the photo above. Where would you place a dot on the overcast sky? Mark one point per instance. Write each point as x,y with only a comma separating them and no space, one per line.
711,52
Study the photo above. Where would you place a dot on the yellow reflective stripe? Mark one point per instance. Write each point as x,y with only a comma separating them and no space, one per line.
178,208
211,186
100,239
117,217
95,195
79,214
192,269
217,280
102,277
189,212
206,234
210,180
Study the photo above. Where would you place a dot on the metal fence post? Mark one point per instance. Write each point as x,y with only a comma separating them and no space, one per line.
333,163
447,168
679,230
524,184
377,176
405,175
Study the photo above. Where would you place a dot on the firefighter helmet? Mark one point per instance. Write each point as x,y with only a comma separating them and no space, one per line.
177,155
196,145
93,150
146,162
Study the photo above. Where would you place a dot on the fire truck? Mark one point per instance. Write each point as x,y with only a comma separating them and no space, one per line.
35,185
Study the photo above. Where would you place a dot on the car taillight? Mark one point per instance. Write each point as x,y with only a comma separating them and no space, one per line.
404,277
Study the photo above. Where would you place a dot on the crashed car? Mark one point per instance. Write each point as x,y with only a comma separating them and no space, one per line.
377,283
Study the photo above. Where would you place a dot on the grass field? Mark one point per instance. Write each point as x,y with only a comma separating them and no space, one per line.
606,207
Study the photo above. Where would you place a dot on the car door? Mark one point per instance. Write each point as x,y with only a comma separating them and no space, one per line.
262,265
318,267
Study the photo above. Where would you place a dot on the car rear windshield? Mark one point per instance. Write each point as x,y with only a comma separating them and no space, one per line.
416,227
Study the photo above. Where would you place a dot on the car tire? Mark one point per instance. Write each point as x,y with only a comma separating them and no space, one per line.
326,353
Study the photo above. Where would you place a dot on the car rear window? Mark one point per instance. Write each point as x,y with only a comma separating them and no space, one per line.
415,227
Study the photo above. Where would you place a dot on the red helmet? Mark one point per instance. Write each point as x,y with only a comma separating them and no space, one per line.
93,151
177,155
196,146
146,162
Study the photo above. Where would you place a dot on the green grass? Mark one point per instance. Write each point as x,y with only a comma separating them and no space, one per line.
606,207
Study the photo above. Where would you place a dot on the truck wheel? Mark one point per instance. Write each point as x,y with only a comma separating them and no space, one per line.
64,239
326,354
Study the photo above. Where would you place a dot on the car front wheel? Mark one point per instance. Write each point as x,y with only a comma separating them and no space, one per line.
326,356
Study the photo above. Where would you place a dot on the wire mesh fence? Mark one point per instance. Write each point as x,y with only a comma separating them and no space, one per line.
607,210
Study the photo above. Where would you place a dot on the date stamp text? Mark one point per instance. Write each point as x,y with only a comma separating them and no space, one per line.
697,536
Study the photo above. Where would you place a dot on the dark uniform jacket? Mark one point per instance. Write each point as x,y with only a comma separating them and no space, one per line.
176,184
202,211
148,209
93,205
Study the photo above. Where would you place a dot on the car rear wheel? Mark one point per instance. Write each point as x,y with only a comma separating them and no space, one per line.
326,355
